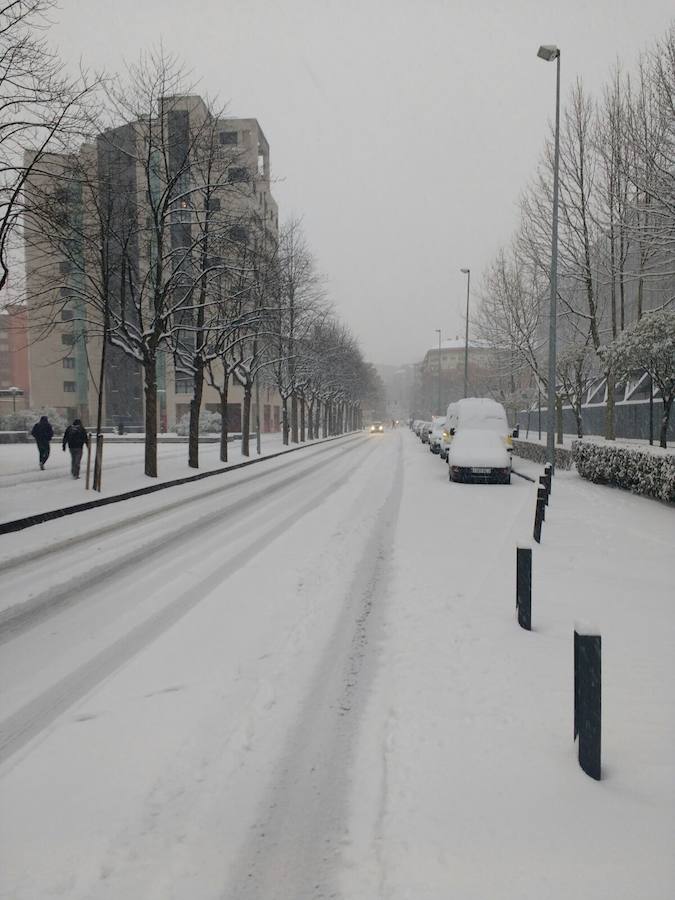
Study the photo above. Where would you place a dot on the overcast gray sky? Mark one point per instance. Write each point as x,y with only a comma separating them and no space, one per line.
401,130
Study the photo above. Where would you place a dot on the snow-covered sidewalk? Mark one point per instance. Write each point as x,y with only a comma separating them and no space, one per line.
25,490
466,782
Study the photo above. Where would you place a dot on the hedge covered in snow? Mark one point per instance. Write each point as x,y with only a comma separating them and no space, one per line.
636,470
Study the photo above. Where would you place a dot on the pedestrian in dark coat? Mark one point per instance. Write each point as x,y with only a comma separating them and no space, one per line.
43,433
76,438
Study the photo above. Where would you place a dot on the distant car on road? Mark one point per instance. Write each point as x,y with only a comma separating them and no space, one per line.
479,455
436,434
377,428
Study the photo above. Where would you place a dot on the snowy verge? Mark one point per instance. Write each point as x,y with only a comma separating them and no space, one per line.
636,470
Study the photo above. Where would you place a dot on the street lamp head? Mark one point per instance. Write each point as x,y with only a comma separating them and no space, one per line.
465,271
549,52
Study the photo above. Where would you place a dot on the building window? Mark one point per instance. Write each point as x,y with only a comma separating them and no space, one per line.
69,387
237,173
67,340
67,315
183,385
213,204
228,137
238,233
64,267
69,362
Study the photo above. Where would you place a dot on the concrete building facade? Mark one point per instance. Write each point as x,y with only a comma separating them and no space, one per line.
65,330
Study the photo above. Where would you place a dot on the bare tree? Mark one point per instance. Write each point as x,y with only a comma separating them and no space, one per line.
299,305
575,373
41,108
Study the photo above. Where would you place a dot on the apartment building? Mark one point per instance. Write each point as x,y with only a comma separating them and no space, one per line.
63,276
14,361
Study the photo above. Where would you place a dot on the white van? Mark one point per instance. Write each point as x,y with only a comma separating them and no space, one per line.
479,414
481,441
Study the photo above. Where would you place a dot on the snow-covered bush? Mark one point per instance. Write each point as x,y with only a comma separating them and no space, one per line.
209,423
636,470
539,454
648,346
24,419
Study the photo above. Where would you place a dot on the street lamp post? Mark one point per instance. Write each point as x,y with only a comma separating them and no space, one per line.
14,392
466,272
549,53
438,332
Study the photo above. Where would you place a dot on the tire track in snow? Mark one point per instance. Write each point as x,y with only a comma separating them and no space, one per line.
17,619
34,717
294,852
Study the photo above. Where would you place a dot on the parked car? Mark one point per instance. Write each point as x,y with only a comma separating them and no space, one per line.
377,428
446,437
436,434
424,432
479,455
417,426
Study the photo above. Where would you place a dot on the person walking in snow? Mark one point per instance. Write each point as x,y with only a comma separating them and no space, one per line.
76,438
43,433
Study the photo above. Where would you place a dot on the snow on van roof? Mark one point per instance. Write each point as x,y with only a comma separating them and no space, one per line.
481,405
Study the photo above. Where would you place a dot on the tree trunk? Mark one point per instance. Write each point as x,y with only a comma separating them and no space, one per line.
98,459
223,419
246,420
310,420
150,373
195,409
294,417
663,439
284,420
559,418
610,434
577,416
303,423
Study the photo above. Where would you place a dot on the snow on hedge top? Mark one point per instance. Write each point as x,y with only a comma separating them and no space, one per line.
627,444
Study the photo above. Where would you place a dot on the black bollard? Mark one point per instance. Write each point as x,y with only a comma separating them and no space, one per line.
588,699
524,587
538,519
543,496
548,474
544,482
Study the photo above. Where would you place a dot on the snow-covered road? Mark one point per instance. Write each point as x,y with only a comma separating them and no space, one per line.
303,680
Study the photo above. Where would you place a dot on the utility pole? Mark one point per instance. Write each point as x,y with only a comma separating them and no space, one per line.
467,272
438,332
550,53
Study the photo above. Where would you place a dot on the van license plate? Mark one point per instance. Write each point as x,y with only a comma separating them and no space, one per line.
481,471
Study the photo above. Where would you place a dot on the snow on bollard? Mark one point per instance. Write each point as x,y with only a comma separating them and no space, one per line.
548,475
588,697
524,586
